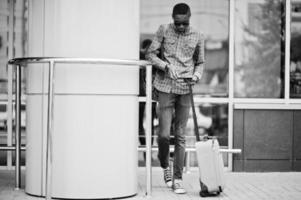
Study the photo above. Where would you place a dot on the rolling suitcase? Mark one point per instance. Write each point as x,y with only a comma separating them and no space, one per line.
211,166
210,161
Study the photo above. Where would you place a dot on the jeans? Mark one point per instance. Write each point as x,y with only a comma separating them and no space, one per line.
178,106
141,115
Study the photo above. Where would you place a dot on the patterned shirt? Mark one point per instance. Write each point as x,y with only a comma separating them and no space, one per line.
184,51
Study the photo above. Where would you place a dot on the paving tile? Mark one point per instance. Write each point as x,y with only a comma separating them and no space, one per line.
239,186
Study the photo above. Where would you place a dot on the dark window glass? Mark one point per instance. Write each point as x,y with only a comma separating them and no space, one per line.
295,67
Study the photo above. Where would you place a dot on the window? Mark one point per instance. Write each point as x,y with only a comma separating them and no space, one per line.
19,47
259,49
211,17
295,67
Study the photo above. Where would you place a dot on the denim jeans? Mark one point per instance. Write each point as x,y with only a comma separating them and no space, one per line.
177,106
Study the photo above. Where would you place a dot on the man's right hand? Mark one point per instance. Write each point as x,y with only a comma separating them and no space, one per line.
172,72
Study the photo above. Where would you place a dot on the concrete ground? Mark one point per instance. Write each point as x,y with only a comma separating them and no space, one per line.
239,186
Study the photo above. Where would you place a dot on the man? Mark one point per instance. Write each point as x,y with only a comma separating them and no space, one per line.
182,55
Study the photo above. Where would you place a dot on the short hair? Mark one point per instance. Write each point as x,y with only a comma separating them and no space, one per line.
181,9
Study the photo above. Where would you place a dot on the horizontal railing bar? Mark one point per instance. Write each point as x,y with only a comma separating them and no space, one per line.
23,148
186,136
25,60
192,149
11,148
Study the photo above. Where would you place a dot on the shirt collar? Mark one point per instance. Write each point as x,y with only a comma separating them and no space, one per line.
187,31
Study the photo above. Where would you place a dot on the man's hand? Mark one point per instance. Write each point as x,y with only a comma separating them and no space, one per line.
195,78
191,80
172,72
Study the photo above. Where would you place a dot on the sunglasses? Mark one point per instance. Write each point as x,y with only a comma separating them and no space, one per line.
181,23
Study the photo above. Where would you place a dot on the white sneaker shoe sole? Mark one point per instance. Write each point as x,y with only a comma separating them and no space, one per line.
179,191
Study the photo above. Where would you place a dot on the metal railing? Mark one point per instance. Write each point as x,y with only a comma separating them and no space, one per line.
18,63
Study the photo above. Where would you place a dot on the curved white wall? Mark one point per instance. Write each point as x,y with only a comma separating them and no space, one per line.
95,107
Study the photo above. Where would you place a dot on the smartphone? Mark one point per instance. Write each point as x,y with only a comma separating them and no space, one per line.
187,79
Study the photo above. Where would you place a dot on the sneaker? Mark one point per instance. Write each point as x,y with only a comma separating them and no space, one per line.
167,176
178,187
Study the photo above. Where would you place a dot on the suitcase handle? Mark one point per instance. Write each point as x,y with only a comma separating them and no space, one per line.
196,128
195,122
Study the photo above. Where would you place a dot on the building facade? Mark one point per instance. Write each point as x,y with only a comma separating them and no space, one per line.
249,95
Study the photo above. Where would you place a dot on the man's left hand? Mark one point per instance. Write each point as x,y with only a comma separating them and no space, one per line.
195,78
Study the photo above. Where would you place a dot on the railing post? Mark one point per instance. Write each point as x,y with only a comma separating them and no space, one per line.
149,122
11,39
231,79
48,185
287,59
18,127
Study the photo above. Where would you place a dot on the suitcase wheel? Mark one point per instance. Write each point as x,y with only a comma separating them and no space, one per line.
208,194
204,193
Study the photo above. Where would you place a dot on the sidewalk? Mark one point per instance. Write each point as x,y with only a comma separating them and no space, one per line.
240,186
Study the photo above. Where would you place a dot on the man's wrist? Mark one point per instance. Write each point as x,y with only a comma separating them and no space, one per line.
196,78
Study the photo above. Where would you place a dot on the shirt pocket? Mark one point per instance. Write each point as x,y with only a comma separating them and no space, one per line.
189,48
169,45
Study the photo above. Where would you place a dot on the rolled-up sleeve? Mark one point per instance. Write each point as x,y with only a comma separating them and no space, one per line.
154,49
200,56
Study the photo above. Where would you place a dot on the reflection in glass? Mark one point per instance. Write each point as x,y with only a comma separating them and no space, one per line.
211,18
295,67
212,120
259,49
20,39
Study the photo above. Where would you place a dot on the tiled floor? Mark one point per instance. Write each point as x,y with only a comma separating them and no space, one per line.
240,186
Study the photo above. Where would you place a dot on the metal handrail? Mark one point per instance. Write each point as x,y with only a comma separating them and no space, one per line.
21,62
26,60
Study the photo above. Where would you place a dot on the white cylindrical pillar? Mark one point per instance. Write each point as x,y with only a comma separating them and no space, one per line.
95,106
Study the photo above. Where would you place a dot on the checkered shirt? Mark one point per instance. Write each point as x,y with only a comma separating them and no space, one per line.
184,51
